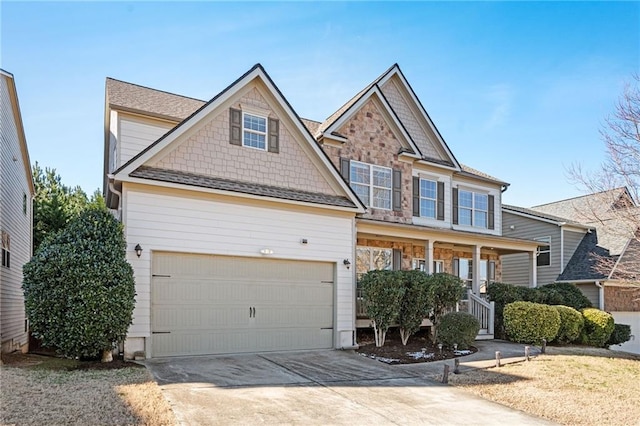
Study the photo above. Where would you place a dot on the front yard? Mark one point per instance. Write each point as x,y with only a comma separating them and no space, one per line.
568,385
38,390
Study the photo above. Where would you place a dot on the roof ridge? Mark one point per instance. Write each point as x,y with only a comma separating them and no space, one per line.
155,90
581,196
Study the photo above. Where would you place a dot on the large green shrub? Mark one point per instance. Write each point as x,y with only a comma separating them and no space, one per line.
79,289
503,294
571,323
459,328
566,294
598,326
445,290
383,292
621,334
414,307
528,322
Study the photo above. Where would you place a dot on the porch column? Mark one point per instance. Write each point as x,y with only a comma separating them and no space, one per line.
475,282
428,257
533,269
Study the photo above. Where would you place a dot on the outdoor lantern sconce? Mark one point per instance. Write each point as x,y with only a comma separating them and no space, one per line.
347,263
138,250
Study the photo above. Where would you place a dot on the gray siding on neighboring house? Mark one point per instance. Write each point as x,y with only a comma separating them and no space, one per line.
571,242
592,292
515,267
15,222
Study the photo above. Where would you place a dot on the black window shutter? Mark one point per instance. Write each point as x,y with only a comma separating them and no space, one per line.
456,267
274,135
492,271
491,219
345,169
397,190
397,259
235,126
440,211
455,205
416,196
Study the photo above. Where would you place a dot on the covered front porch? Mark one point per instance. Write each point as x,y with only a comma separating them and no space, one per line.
474,257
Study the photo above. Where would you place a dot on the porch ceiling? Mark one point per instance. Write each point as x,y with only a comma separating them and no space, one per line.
367,228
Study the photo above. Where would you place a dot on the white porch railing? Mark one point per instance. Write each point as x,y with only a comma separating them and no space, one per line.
484,312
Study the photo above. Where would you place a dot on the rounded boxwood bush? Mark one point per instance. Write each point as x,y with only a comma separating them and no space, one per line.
598,326
458,327
503,294
528,322
621,334
79,289
571,324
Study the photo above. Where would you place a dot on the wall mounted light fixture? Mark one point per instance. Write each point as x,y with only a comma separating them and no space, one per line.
346,263
138,250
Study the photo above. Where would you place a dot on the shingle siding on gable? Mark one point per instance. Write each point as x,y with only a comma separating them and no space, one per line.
15,183
409,120
372,141
208,152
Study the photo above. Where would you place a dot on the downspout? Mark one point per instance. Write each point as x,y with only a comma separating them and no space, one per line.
600,295
561,248
113,189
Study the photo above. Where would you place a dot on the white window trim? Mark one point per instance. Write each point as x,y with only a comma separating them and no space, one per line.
372,186
546,240
265,133
473,208
435,200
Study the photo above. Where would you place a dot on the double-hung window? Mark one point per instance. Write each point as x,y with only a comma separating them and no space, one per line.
6,252
370,258
473,209
428,198
543,257
254,131
372,184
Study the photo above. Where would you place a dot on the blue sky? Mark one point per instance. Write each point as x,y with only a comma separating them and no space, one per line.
518,90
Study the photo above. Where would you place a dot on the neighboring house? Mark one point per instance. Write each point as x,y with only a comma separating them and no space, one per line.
592,243
253,223
16,220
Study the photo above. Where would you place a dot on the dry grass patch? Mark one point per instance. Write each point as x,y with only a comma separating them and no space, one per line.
34,394
572,386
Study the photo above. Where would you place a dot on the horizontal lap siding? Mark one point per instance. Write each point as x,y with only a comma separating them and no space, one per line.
136,134
210,226
571,242
15,222
515,268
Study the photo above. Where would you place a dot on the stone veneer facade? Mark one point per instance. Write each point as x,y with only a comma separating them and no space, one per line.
209,153
412,251
622,299
374,142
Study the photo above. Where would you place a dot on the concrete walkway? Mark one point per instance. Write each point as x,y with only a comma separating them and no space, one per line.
322,387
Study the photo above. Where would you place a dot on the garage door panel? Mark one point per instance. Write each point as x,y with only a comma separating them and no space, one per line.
204,304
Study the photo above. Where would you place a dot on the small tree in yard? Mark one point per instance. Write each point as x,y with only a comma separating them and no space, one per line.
79,289
383,292
445,290
415,305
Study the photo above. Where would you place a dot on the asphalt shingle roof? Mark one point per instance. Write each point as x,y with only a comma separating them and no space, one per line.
542,215
202,181
154,102
585,263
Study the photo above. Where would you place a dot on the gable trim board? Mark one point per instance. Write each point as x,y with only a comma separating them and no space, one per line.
219,101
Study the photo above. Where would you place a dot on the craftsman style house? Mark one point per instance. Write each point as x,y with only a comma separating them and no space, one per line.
249,226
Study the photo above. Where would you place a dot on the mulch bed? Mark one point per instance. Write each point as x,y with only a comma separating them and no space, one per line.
419,348
50,361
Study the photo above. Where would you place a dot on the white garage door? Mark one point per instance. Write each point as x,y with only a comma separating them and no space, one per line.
632,319
217,304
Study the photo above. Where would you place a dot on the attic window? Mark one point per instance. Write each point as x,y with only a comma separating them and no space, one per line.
254,131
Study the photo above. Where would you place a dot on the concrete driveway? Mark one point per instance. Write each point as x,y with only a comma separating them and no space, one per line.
315,387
